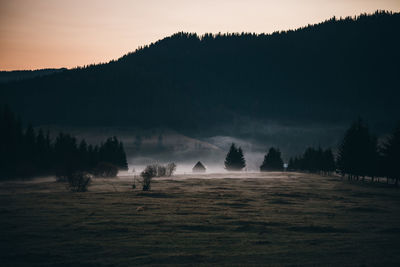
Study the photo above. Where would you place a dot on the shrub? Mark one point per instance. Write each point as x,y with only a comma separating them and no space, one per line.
154,170
79,181
105,169
161,170
171,167
147,175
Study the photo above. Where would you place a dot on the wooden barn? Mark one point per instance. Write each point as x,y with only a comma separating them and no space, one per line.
199,167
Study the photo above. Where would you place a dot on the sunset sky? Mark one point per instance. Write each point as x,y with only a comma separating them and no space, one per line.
38,34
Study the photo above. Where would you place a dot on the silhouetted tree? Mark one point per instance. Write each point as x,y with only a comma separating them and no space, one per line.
66,155
29,143
171,167
315,161
11,143
234,160
112,151
123,163
42,154
27,153
391,156
328,162
272,161
358,152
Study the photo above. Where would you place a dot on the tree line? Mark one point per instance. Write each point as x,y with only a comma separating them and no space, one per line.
314,160
29,152
233,74
359,155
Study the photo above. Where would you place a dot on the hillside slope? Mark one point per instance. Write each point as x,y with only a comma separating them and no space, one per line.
330,73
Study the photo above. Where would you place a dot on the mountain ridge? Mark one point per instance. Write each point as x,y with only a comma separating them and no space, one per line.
330,72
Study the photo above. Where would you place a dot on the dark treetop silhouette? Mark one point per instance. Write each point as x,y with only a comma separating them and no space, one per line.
272,161
314,160
359,156
27,153
234,160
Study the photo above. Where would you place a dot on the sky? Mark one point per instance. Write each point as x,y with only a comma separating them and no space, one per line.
36,34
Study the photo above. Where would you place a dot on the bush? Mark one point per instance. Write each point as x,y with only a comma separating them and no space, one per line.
105,169
155,170
171,167
147,175
79,181
161,170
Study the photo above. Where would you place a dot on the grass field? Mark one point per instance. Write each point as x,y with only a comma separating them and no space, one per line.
216,219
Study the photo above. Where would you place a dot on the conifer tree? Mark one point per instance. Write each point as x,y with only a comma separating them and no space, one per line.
358,151
123,163
314,160
272,161
328,165
41,153
391,156
29,142
24,153
234,160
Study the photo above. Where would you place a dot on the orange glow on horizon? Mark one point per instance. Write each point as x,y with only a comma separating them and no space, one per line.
36,34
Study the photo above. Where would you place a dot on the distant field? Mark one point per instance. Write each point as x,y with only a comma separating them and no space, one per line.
227,219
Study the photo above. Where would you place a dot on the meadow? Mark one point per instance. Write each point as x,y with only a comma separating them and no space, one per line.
230,219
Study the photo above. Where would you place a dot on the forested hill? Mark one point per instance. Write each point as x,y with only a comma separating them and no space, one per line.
16,75
330,72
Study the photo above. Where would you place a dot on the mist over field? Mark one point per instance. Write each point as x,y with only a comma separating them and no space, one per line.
147,146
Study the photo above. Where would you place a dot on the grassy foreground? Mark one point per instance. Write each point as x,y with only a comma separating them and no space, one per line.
229,219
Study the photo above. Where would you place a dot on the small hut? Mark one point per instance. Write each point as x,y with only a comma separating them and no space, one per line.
199,167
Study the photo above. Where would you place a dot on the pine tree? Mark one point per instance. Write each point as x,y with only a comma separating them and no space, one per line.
29,142
11,143
235,160
328,165
291,164
25,153
272,161
123,163
314,160
83,155
41,153
66,154
391,156
357,151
